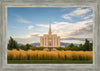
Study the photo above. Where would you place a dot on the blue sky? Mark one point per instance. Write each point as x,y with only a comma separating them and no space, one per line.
72,24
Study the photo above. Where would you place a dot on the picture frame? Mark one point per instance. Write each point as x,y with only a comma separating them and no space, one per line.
47,67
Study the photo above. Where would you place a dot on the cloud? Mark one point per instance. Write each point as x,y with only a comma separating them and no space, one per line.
43,25
71,30
87,17
35,34
79,12
28,36
31,38
67,17
83,30
81,39
22,20
30,27
76,40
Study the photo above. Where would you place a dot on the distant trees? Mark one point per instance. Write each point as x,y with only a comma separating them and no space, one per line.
23,47
87,46
61,48
12,44
71,45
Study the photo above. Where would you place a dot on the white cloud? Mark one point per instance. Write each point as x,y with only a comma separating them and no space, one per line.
42,25
79,12
22,20
30,27
31,38
66,17
27,36
87,17
73,41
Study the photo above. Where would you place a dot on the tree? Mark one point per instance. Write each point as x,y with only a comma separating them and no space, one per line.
23,47
28,45
87,46
80,47
67,48
71,45
91,47
12,44
75,48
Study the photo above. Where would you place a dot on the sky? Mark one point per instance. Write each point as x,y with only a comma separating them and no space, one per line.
72,24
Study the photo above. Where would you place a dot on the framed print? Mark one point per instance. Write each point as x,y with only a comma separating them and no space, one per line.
49,35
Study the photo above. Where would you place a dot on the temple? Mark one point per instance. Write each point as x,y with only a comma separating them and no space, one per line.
50,41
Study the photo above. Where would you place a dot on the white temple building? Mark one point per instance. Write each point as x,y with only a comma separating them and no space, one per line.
50,40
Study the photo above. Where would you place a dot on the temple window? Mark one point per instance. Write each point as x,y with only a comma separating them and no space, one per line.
49,39
49,44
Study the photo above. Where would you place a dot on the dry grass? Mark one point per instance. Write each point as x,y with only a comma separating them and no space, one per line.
49,55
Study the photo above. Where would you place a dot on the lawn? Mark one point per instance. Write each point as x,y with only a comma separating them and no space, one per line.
47,62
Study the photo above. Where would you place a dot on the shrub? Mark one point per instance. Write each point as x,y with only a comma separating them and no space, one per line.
36,48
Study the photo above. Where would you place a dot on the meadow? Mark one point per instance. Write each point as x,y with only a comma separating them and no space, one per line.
49,55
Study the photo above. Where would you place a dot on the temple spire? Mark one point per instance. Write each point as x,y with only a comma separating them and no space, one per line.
50,27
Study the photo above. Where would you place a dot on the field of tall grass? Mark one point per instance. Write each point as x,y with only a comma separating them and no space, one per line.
49,55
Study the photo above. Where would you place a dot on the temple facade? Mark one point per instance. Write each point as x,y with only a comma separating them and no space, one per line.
50,40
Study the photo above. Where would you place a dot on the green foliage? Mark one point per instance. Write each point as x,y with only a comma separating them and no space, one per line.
75,48
28,46
36,48
23,47
67,48
60,48
63,48
12,44
81,47
71,45
90,46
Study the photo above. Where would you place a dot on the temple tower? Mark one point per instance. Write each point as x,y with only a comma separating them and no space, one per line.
49,28
50,40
